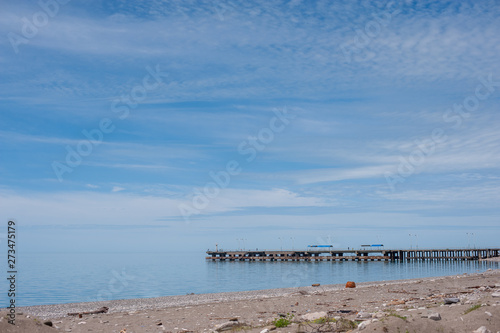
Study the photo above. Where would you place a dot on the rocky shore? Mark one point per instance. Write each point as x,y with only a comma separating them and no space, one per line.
463,303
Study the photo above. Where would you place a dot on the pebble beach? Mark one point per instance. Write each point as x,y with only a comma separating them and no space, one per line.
462,303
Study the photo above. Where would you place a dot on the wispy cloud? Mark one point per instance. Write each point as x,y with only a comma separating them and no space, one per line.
329,175
13,137
226,67
126,208
239,58
117,189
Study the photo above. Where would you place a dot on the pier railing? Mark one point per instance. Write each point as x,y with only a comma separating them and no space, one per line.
329,254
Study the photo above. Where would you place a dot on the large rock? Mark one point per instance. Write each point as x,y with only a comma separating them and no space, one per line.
496,294
364,315
434,316
363,325
226,326
451,300
314,315
482,329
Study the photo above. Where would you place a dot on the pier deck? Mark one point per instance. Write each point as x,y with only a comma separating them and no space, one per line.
353,255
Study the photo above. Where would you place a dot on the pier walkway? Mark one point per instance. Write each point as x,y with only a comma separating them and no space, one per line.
353,254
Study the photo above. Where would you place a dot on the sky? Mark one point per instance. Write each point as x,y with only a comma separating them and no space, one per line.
166,125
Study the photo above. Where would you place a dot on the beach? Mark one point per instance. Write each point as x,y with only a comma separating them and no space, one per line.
460,303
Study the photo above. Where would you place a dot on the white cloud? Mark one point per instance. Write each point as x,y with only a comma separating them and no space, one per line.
18,137
236,199
328,175
125,208
225,71
477,196
415,47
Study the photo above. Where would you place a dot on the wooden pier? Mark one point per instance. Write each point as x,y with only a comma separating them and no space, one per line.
353,255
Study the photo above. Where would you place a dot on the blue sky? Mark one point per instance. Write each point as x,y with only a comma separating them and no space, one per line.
347,122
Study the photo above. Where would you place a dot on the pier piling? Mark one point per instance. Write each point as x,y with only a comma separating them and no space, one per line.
353,255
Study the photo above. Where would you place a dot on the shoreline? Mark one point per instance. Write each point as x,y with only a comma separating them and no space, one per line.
494,259
138,304
445,304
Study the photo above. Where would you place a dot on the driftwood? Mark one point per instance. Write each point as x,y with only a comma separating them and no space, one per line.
104,309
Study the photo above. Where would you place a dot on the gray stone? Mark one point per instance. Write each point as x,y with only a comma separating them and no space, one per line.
364,315
363,325
496,294
314,315
270,328
226,326
451,300
434,316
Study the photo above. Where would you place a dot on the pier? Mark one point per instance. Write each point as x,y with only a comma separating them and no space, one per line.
353,255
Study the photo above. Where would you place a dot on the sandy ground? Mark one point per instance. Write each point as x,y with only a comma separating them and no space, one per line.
495,259
403,306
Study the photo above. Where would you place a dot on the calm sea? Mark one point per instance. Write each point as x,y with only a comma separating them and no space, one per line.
48,278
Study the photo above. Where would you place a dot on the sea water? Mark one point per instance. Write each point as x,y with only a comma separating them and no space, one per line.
50,278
